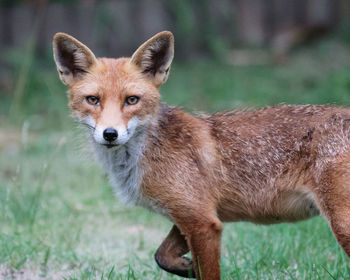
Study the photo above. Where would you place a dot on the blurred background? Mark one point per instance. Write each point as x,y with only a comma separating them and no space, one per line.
58,215
218,43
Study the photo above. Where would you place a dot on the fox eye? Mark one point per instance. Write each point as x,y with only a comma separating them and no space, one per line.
92,100
131,100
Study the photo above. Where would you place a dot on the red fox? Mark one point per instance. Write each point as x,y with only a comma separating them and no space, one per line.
277,164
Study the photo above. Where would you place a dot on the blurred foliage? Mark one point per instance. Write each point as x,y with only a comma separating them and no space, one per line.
16,2
43,97
204,33
343,31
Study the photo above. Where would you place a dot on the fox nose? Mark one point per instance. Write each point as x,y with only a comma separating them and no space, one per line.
110,134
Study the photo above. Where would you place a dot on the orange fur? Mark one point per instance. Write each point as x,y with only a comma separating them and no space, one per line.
277,164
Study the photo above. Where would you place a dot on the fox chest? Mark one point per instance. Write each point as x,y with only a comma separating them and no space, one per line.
125,181
124,172
125,175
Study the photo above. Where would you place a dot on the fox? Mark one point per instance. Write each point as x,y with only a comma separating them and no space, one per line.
281,163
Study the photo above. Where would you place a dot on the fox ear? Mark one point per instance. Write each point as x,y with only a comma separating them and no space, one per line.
73,59
155,56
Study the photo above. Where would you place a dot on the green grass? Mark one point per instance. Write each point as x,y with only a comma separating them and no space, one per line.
60,219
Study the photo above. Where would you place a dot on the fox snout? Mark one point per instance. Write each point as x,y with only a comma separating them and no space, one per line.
111,136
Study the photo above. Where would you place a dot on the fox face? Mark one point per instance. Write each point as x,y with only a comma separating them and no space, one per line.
114,98
113,101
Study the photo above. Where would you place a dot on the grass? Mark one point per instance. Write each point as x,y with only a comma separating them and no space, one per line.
59,218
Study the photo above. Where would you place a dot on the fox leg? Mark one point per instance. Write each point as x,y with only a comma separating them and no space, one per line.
334,197
169,255
203,235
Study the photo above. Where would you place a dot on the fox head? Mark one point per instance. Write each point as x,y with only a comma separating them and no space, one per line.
113,97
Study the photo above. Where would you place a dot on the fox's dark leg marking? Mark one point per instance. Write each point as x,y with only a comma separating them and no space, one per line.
169,255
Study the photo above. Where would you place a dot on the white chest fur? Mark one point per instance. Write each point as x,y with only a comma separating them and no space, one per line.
123,167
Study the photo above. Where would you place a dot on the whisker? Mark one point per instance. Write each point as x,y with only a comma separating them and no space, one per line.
87,125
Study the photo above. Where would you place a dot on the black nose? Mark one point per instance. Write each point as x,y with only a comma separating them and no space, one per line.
110,134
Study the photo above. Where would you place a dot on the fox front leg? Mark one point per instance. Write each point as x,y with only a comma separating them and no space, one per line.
169,255
204,238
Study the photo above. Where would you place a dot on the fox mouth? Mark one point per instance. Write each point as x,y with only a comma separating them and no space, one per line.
108,146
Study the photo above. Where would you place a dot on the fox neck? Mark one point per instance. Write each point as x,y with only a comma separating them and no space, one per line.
123,167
